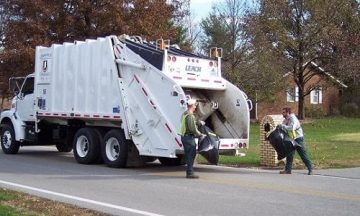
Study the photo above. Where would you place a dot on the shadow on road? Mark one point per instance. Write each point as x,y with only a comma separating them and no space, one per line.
48,161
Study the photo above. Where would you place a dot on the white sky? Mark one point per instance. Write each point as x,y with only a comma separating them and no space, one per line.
201,8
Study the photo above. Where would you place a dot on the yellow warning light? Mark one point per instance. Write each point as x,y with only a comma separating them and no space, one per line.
161,44
214,52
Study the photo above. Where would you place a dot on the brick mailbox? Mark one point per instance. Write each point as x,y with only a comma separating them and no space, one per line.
268,155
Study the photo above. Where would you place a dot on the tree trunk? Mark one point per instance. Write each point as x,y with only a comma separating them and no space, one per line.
301,108
2,103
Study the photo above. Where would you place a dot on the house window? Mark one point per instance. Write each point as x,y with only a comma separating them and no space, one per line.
292,94
316,96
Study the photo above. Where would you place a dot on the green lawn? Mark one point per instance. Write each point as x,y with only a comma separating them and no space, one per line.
13,203
5,209
334,142
331,142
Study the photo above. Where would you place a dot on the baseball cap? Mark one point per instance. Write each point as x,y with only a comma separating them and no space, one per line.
191,102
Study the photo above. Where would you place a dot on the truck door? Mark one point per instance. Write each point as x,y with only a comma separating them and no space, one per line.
25,102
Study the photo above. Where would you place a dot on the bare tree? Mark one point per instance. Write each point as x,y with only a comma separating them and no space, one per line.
225,27
193,33
299,32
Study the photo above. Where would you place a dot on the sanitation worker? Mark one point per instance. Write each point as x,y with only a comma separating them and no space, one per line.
188,133
292,125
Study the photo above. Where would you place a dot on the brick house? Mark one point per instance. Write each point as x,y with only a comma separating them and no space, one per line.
324,99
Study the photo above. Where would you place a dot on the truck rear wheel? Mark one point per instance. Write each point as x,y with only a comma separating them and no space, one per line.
8,143
114,149
100,135
86,146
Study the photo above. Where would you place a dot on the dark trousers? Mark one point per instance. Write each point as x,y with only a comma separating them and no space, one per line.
190,152
303,155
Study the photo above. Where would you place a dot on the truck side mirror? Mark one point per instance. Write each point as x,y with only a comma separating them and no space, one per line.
14,89
15,84
20,95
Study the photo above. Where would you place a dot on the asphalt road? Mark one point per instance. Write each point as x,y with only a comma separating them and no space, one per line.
157,190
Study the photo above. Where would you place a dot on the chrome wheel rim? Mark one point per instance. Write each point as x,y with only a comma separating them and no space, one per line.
112,149
6,139
82,146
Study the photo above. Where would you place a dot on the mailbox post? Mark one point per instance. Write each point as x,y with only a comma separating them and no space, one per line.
268,155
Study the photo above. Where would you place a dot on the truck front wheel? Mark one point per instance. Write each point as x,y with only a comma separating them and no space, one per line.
114,149
86,146
67,144
8,143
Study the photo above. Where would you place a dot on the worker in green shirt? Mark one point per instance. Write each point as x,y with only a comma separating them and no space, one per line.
188,133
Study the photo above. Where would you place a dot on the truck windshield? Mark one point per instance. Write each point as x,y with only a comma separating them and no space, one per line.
28,87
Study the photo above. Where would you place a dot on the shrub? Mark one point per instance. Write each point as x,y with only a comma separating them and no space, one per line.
350,110
314,112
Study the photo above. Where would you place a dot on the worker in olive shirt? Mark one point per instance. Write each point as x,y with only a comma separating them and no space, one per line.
188,132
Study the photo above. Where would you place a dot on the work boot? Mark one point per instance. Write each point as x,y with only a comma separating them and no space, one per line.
192,176
310,172
284,172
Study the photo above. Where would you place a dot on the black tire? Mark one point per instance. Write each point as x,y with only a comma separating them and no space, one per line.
67,145
86,146
8,143
100,135
63,147
172,161
114,149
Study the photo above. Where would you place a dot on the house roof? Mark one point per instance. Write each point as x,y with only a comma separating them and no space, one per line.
324,72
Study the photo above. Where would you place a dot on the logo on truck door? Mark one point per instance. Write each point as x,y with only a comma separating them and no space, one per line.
45,66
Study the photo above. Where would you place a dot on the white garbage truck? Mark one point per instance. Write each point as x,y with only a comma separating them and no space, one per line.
119,100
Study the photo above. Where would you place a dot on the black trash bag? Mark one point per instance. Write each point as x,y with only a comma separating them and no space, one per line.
282,142
208,147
